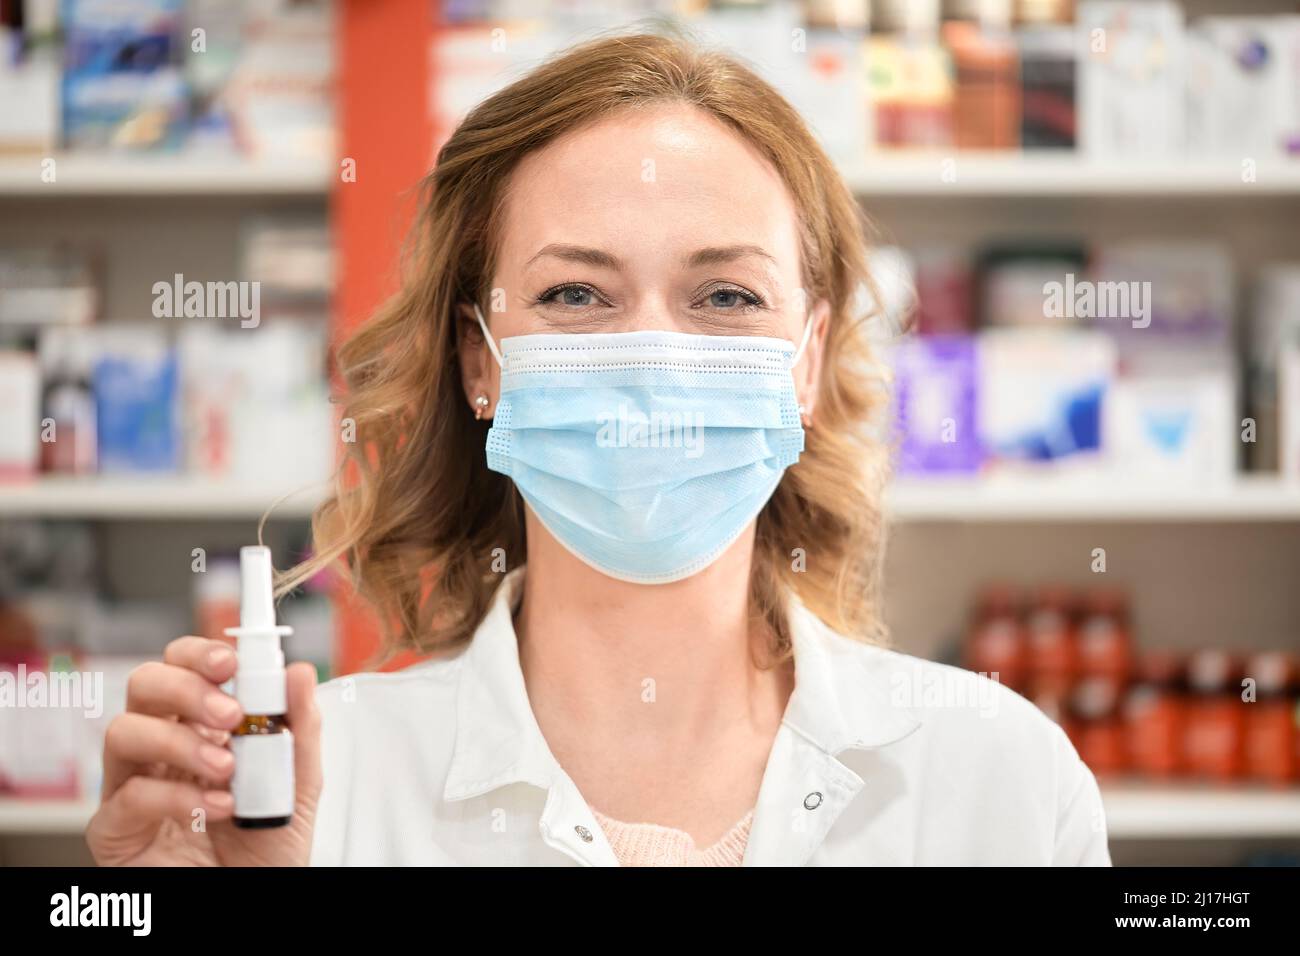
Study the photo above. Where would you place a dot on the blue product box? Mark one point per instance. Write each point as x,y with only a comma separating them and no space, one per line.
137,400
123,82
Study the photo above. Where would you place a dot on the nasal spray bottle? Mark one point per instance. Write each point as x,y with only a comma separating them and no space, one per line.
263,784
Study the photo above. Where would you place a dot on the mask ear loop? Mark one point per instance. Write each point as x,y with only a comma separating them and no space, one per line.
798,353
803,343
491,343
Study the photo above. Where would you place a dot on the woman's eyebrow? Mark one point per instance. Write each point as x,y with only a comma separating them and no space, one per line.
583,254
715,255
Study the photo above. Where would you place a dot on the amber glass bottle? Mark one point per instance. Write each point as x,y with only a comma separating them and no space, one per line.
262,769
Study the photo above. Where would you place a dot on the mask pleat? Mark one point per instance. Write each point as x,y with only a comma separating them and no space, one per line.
644,453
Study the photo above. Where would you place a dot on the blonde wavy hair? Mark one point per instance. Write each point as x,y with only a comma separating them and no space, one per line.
415,513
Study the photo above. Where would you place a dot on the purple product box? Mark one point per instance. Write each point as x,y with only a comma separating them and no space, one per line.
936,421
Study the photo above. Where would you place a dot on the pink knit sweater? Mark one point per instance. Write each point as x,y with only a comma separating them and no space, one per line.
649,844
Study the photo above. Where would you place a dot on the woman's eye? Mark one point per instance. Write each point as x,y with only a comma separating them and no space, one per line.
731,299
570,296
576,297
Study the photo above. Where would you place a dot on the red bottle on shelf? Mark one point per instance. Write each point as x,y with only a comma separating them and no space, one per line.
1216,717
1099,734
1104,643
1053,697
1155,715
1271,744
1053,658
996,643
1053,652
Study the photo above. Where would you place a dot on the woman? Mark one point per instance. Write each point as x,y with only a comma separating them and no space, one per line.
653,601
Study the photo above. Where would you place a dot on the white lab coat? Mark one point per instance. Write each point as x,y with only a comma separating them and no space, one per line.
881,759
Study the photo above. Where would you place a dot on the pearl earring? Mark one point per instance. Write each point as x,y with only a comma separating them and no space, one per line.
480,406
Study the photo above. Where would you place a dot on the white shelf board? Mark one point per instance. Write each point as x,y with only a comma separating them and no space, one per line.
1152,812
1015,174
1132,812
965,500
149,497
162,175
1028,499
901,173
46,817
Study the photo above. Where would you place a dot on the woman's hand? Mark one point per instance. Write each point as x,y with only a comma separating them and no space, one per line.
166,799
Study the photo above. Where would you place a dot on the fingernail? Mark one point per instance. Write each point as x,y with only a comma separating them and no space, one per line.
222,707
219,800
218,758
220,657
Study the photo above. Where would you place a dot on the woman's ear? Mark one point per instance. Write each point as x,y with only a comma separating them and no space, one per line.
808,372
479,374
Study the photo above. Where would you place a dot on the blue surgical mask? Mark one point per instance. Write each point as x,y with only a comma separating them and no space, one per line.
646,454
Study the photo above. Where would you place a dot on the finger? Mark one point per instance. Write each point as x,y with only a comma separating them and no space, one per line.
142,803
164,690
136,740
215,660
212,735
304,721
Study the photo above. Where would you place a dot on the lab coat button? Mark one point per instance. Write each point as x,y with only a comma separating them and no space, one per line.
812,801
584,833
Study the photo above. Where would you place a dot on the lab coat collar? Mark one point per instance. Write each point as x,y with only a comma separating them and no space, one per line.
498,741
845,691
841,700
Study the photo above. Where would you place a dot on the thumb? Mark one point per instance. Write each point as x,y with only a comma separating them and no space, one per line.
304,721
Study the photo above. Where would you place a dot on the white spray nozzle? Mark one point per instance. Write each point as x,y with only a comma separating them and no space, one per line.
259,680
256,597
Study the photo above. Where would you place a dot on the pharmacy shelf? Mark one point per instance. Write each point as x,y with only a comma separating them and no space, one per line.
1058,500
45,817
885,174
154,498
1003,174
1132,812
1135,812
172,175
964,500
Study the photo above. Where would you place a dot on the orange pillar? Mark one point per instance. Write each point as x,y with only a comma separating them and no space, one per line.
385,135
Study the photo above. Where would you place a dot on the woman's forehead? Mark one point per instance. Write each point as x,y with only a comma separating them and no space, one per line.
667,176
